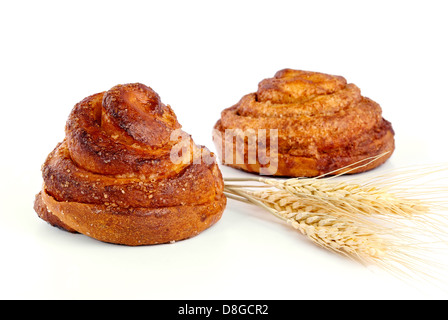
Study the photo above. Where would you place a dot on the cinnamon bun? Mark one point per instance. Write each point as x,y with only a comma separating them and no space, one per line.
310,123
114,177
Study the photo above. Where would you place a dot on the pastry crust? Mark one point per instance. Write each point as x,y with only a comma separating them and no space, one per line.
323,123
113,177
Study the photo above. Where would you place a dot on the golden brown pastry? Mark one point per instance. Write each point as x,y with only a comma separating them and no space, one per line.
323,124
114,177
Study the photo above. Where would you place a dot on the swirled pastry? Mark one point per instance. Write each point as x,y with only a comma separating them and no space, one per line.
127,174
303,124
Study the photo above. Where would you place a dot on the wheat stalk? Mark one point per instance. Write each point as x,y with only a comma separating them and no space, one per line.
364,220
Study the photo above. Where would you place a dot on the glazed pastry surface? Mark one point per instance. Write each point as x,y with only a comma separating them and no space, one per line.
114,177
323,124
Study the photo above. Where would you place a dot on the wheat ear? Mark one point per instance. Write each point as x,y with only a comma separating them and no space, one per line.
326,230
364,220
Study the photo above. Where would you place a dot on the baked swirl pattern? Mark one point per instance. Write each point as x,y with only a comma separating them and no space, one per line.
323,124
113,178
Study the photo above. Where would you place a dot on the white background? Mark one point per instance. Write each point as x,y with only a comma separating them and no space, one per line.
203,56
